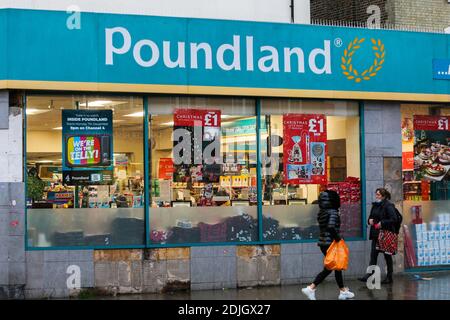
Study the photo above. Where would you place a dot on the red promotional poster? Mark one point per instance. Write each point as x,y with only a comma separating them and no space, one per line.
196,118
305,148
408,161
432,123
431,148
165,168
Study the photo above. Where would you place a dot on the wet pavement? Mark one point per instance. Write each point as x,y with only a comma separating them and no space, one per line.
410,286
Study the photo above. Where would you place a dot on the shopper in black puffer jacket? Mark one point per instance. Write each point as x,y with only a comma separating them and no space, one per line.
328,218
329,224
382,216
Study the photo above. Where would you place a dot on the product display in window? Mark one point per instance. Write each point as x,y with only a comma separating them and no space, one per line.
426,185
212,149
85,158
431,148
304,152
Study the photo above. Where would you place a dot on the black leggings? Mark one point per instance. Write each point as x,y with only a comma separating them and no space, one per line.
325,273
374,255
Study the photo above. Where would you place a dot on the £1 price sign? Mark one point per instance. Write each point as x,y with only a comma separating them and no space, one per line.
197,117
432,123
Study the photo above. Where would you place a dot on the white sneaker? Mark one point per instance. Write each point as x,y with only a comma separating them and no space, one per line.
344,295
310,293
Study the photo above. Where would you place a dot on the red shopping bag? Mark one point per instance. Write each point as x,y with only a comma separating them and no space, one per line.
387,242
337,256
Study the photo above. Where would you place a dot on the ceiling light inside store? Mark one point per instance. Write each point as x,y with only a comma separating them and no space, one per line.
57,128
171,123
33,111
97,103
135,114
119,120
44,161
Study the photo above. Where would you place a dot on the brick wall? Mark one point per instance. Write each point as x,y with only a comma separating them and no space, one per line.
430,14
347,10
423,13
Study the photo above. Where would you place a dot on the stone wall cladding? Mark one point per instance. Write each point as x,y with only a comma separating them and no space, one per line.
383,149
142,270
258,265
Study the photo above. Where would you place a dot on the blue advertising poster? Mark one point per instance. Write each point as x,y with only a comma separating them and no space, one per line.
87,138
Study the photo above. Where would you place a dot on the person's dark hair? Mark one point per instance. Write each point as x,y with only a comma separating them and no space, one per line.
384,193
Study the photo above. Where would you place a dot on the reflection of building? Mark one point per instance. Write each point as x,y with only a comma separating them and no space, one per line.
157,204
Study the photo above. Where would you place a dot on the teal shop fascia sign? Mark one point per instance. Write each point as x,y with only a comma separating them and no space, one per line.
131,53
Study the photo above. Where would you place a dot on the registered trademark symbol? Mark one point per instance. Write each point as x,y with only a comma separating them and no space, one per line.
338,42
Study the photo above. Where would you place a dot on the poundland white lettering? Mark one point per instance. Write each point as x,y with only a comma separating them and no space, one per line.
147,53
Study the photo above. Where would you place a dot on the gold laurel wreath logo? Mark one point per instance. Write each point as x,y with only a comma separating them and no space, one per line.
352,73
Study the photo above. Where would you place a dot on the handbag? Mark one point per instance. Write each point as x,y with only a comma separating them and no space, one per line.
337,256
387,242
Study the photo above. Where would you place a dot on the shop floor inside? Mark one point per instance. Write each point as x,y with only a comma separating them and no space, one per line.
407,286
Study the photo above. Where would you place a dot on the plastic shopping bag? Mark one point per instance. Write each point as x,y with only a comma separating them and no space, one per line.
337,256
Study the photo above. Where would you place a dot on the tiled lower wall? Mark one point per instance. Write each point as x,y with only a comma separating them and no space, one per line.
196,268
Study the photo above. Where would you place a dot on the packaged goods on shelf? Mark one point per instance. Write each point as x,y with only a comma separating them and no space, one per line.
431,244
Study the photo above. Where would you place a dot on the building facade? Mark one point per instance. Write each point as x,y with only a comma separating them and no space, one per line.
150,152
419,15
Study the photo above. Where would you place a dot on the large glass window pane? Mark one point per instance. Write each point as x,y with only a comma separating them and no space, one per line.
426,188
203,170
308,146
101,203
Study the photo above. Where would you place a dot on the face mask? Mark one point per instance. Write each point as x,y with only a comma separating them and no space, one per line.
378,200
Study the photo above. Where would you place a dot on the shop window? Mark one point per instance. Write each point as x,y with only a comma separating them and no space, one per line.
308,146
85,171
426,189
203,170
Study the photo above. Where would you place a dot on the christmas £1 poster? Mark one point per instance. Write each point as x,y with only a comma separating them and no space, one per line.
305,148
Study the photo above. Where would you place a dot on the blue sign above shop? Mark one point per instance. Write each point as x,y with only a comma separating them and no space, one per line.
441,69
131,53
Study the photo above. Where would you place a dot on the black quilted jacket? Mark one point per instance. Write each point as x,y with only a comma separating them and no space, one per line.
328,218
383,212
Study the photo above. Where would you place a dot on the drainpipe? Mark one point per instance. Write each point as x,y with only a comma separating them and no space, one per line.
292,11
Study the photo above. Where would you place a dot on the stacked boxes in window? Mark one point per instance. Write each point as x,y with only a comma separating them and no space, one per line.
68,239
270,229
97,239
242,228
433,242
127,231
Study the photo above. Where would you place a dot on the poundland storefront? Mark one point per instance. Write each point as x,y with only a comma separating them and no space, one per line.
189,153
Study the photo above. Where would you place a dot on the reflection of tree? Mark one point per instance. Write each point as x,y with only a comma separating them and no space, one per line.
35,186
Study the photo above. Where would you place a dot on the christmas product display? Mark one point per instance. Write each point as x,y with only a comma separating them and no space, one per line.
349,191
